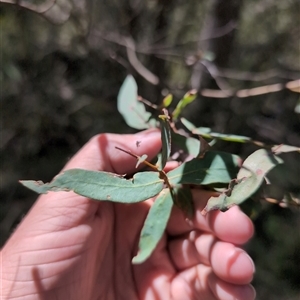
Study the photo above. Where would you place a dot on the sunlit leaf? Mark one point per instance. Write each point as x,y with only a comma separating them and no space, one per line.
204,132
207,133
167,100
154,225
165,138
102,185
259,162
241,192
132,110
229,137
249,179
188,98
189,125
215,167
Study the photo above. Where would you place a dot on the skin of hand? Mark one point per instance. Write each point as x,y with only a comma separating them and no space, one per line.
71,247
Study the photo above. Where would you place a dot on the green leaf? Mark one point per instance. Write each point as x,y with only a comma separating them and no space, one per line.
193,129
215,167
244,189
132,110
227,137
249,179
188,98
189,145
166,139
207,133
259,162
154,225
167,100
189,125
102,185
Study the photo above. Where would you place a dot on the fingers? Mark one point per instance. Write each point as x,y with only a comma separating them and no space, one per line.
191,250
231,264
228,262
208,242
226,291
192,284
67,209
231,226
100,152
179,224
199,282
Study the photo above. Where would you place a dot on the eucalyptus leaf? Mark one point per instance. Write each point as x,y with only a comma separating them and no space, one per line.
154,225
249,179
240,193
166,140
167,100
102,185
193,129
259,162
204,132
214,167
132,110
189,145
188,98
207,133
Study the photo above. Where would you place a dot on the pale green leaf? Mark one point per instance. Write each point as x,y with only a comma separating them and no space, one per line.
132,110
226,137
244,189
167,100
188,98
249,179
207,133
102,185
154,225
259,162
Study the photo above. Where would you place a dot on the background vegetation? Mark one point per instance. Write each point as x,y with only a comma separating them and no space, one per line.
63,61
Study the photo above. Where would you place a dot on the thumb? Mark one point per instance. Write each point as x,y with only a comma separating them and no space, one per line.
100,153
67,210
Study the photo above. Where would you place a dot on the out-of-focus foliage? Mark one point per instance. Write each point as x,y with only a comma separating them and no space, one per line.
62,66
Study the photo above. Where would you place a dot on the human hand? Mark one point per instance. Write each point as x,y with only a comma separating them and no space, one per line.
70,247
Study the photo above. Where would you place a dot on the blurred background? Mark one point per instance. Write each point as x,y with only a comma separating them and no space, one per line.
63,62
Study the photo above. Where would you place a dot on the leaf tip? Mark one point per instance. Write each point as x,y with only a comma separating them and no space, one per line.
138,259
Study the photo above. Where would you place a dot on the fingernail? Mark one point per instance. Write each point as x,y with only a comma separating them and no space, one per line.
242,261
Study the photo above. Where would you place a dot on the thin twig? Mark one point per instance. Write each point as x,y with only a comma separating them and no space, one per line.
293,86
40,9
138,66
